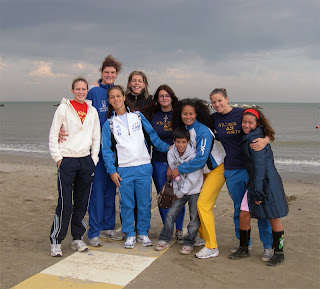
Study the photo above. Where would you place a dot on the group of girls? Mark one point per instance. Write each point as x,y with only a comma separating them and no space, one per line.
125,130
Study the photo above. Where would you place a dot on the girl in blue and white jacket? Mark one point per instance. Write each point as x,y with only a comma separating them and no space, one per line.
132,174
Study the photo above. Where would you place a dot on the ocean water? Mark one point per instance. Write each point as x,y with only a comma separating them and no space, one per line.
24,129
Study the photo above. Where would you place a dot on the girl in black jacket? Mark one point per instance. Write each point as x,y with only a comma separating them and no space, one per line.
265,197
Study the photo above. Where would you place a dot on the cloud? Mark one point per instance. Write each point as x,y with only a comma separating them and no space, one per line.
43,69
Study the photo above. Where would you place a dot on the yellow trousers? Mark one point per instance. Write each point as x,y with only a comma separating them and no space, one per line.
211,187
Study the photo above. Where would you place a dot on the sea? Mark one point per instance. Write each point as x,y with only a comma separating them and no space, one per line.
24,130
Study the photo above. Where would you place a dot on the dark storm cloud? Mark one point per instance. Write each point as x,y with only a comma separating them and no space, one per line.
142,29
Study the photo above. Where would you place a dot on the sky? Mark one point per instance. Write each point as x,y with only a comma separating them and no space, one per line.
259,50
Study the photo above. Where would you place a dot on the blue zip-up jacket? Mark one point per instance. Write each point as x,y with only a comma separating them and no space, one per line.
201,137
265,183
99,97
130,142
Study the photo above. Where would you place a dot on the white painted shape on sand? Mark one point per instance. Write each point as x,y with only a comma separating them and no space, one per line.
105,267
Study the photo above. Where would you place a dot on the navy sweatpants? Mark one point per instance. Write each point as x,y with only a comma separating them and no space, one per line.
75,177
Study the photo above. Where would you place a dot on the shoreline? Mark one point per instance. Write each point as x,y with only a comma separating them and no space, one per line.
299,177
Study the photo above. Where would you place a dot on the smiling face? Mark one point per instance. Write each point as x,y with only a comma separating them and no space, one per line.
116,99
249,123
108,75
220,103
181,145
80,91
136,84
165,100
188,115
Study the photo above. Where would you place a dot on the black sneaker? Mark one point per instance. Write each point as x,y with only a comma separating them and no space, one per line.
277,258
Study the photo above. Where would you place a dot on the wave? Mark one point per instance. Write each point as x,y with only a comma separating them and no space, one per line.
25,148
309,163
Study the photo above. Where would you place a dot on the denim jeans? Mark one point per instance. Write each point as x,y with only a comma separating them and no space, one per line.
178,204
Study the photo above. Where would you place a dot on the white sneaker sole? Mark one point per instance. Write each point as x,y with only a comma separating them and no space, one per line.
56,254
129,246
156,248
208,256
145,244
82,249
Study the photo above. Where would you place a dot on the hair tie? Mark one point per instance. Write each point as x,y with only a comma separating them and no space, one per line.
253,111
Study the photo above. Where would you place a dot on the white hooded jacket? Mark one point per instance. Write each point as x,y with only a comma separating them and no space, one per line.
83,138
189,183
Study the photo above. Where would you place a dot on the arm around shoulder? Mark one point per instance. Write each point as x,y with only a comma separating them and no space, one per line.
96,138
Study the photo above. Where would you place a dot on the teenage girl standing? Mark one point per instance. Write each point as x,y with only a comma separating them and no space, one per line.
265,198
227,125
132,174
159,113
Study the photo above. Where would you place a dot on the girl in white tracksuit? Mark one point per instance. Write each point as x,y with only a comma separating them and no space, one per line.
133,171
76,159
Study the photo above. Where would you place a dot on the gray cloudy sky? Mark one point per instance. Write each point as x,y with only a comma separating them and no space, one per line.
259,50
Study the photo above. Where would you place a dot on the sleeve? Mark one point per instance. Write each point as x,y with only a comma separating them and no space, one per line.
204,141
96,138
156,141
259,163
54,134
106,151
90,93
171,160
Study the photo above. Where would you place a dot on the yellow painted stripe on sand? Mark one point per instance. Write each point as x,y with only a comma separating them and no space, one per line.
45,281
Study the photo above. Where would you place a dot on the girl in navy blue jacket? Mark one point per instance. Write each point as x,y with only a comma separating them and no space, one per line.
265,197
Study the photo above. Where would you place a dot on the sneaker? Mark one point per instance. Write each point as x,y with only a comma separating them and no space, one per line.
79,245
199,242
95,242
112,234
186,250
242,252
236,248
56,250
276,259
267,254
130,242
144,240
205,253
161,245
179,237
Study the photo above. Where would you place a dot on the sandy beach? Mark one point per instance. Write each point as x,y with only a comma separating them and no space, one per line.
28,200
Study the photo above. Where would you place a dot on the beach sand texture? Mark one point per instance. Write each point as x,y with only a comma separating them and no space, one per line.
28,200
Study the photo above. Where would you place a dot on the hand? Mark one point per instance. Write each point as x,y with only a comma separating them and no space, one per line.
115,177
62,135
258,202
169,173
170,147
174,173
59,163
96,83
259,144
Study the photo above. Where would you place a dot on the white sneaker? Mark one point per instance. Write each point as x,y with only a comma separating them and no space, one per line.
112,234
267,254
56,250
144,240
186,249
95,242
161,245
130,242
199,242
236,247
205,253
79,245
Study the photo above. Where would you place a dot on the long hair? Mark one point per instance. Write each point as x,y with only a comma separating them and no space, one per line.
201,109
145,81
154,104
264,123
110,107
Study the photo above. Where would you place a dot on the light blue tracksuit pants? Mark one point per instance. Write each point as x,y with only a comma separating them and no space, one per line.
102,212
136,181
237,181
